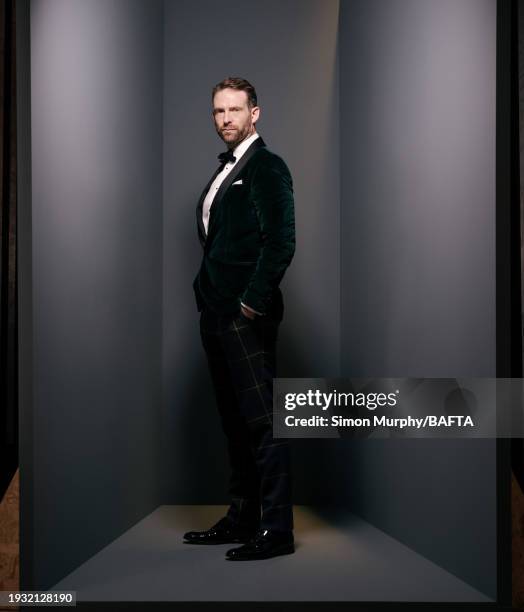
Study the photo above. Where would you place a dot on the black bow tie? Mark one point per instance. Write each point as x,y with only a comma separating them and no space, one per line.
227,157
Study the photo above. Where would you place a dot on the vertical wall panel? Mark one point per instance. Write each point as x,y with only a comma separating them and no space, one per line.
288,50
418,256
97,269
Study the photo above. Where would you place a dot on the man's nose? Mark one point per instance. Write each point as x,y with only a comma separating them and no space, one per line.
226,117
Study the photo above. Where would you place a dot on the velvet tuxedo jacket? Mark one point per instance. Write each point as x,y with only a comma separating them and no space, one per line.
251,235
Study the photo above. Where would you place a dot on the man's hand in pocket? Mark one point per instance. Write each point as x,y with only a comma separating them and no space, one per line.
247,312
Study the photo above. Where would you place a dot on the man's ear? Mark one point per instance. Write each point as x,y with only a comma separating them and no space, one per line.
255,114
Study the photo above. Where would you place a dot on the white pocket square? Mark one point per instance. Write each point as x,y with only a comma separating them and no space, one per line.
238,182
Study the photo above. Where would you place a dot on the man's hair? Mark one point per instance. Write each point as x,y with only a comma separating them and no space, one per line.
240,85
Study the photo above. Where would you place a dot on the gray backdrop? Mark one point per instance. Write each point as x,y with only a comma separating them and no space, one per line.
418,258
96,81
301,125
391,147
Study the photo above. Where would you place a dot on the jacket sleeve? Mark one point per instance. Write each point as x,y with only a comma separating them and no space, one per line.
272,197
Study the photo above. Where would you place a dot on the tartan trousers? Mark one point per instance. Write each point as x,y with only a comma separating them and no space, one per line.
242,362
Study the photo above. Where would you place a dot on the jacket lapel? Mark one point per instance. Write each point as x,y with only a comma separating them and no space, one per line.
230,179
200,205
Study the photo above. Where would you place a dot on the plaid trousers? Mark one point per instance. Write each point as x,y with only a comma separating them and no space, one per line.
242,362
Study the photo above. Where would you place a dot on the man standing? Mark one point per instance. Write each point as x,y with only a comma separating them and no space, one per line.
246,225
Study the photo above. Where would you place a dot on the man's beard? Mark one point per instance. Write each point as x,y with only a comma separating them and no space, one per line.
239,135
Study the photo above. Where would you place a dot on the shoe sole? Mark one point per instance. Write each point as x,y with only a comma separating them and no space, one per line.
283,551
196,543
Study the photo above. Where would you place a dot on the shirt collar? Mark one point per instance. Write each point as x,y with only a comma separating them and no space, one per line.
240,149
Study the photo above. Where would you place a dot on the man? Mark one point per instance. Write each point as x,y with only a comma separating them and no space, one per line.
246,225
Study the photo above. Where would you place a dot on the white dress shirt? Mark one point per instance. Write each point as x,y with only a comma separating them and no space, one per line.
238,151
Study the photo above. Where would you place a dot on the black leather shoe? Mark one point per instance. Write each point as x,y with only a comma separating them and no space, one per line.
264,545
224,532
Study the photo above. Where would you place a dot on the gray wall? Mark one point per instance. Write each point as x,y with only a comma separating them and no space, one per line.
418,256
288,50
96,77
122,145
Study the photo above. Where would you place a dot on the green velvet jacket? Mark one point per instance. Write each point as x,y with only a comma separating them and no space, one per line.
251,236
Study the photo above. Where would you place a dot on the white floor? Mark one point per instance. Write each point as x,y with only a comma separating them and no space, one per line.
334,561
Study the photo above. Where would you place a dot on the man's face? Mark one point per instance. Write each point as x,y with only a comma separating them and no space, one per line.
234,120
